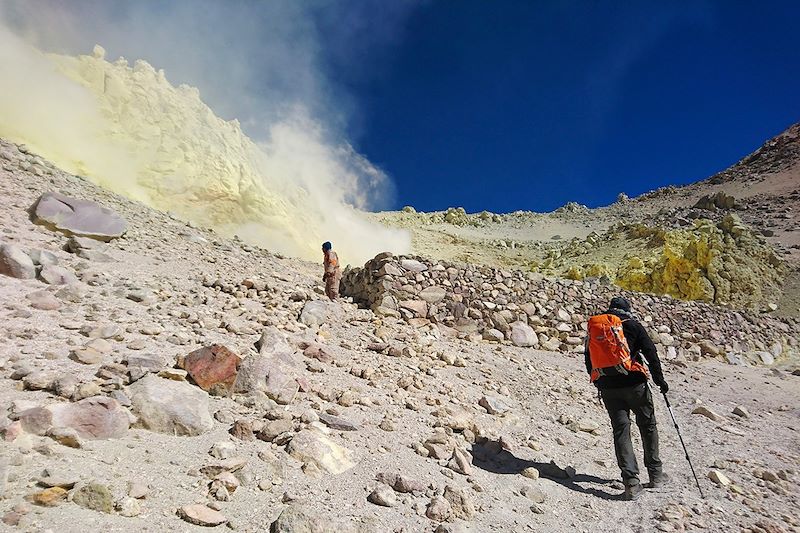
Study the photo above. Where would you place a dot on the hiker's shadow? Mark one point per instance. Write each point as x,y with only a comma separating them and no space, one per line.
490,456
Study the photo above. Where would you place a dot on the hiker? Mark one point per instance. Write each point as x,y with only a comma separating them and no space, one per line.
614,350
332,274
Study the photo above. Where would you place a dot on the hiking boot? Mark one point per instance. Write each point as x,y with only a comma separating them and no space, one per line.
632,492
658,480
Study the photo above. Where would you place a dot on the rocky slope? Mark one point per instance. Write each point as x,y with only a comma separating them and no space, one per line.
171,377
732,239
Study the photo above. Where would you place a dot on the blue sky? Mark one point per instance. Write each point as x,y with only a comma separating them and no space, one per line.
527,105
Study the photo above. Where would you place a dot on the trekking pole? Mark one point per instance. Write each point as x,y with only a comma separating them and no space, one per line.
677,429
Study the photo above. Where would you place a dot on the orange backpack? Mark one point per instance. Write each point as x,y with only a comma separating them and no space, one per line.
608,350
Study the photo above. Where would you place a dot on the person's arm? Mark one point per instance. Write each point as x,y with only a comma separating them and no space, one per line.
586,359
648,350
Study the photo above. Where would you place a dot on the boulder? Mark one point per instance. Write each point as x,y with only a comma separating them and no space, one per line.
98,417
213,368
94,496
43,257
167,406
267,374
523,335
401,483
383,496
418,307
272,342
460,503
44,301
77,217
493,335
412,265
200,515
493,405
56,275
314,313
312,447
433,295
16,263
299,519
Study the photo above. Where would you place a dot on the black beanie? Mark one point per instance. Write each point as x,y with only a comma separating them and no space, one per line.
618,302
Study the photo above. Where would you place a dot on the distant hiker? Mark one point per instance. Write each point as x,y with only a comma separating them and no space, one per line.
332,274
614,350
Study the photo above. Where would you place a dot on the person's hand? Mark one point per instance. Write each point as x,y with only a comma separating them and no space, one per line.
664,387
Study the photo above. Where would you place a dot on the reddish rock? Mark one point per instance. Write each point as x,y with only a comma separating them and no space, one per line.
318,352
98,417
242,430
213,368
201,515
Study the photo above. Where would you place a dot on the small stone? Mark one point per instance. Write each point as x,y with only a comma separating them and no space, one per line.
201,515
129,507
94,496
535,494
66,436
530,473
87,356
49,497
438,509
741,411
383,495
460,462
493,405
223,450
44,301
708,413
338,423
174,374
719,478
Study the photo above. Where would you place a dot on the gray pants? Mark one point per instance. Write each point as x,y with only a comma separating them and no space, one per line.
619,403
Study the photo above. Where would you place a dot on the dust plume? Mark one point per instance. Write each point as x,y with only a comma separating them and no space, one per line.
286,177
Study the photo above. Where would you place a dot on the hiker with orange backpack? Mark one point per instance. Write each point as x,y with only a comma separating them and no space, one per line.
615,346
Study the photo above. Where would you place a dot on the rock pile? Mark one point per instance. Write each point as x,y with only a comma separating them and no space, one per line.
528,309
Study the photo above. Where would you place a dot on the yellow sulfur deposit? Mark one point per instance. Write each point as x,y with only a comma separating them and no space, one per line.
128,129
722,263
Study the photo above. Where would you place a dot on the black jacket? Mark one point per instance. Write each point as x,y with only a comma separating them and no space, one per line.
640,345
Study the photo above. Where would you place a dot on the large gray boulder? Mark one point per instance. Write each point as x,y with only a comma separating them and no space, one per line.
173,407
16,263
273,342
523,335
314,313
268,374
78,217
